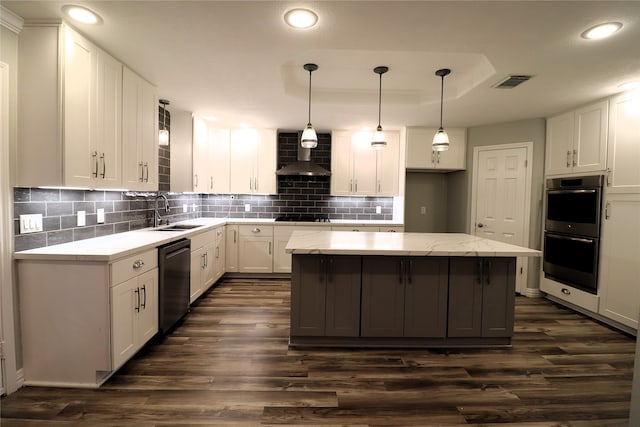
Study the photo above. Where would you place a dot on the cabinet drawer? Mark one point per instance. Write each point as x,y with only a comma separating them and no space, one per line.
201,239
256,230
569,294
132,266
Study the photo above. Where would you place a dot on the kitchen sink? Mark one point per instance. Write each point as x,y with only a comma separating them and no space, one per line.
177,227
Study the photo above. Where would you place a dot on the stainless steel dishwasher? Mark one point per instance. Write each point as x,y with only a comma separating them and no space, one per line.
174,263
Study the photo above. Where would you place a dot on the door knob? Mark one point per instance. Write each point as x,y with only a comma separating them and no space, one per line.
480,225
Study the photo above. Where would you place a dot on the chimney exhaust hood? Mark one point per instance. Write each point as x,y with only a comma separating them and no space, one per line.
304,166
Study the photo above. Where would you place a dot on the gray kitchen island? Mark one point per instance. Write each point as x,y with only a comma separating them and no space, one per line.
375,289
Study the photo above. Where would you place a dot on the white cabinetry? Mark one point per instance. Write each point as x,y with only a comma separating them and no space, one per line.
623,158
255,250
619,259
210,158
202,263
357,169
219,254
281,236
252,156
577,141
134,312
420,156
87,317
139,133
70,111
231,249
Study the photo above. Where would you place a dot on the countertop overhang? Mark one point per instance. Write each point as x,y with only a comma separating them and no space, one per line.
401,244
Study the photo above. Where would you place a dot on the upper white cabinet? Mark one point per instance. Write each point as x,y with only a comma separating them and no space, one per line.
420,156
70,110
623,158
139,133
357,169
577,140
210,158
252,157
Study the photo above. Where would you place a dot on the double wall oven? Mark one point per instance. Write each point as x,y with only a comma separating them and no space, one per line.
572,231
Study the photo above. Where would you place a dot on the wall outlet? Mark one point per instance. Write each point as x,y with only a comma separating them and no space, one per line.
185,208
82,218
423,210
247,207
100,216
378,209
30,223
194,207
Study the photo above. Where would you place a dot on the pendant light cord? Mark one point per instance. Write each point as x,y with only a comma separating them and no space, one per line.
379,100
441,97
309,121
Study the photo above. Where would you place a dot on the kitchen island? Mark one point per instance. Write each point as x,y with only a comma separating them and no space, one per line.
402,289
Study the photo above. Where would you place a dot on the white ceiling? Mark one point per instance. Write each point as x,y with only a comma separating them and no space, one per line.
238,61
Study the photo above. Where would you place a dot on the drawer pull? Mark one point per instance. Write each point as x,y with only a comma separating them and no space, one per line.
137,292
566,291
255,230
144,296
138,264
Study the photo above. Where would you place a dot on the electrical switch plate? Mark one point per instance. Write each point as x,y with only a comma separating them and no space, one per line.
185,208
247,207
194,207
100,216
82,218
378,209
30,223
423,210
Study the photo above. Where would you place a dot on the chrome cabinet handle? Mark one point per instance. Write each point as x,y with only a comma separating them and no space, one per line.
138,263
609,173
137,292
104,165
255,184
141,168
575,157
217,251
234,236
488,272
378,186
606,210
95,158
144,296
566,291
269,248
350,185
250,184
568,158
211,183
480,225
433,157
146,175
255,230
196,178
356,185
438,157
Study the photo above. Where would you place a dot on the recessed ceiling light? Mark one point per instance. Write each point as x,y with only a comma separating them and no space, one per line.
81,14
629,85
601,31
301,18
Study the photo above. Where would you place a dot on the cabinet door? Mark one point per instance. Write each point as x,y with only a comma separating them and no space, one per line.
425,303
209,265
382,296
590,137
559,144
387,166
124,302
341,164
465,297
419,153
148,314
197,274
201,156
219,254
266,162
364,161
498,297
455,157
148,123
255,250
231,249
108,137
624,144
79,106
308,292
217,163
343,278
242,157
619,266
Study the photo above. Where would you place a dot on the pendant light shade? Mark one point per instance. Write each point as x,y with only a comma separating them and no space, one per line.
163,134
309,137
379,141
441,139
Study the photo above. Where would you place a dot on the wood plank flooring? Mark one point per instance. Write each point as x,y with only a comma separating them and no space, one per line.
229,363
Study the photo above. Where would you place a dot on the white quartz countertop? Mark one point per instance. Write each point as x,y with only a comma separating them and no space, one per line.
406,244
115,246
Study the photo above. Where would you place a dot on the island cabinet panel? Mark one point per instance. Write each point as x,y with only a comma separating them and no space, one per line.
404,297
481,297
325,295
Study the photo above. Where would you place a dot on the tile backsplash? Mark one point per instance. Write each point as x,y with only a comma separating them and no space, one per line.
125,211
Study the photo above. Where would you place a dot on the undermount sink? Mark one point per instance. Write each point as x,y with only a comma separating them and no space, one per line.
177,227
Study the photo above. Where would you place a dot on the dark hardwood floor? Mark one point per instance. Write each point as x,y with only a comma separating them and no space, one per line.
229,364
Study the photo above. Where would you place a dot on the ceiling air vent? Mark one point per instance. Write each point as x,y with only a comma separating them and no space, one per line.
510,82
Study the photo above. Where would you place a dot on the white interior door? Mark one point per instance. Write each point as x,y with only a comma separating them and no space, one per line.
501,198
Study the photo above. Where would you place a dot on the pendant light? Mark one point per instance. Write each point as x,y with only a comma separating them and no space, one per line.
378,141
163,134
309,138
441,139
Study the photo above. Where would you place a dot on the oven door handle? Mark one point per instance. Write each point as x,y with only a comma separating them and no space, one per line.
576,190
575,239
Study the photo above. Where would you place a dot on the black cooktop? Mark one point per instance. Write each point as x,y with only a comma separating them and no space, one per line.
302,218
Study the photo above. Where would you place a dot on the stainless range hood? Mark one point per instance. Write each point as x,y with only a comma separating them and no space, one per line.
304,166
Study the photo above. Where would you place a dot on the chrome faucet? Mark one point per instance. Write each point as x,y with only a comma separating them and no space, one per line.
157,220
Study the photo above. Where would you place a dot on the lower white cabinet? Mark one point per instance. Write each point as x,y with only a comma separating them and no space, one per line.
619,259
231,248
202,263
281,236
219,254
134,310
255,250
